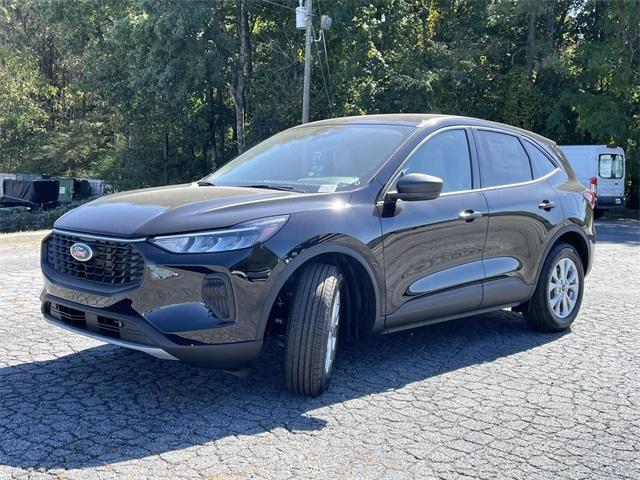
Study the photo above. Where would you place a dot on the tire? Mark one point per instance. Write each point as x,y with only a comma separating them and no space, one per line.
555,311
312,329
598,213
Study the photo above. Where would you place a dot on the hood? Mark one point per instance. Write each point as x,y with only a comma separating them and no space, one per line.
176,209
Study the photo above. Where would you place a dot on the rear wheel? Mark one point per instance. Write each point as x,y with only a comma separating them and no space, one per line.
312,329
556,301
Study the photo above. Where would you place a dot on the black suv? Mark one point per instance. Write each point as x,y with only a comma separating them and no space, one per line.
328,230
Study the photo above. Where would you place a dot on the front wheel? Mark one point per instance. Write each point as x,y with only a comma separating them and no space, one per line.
556,301
312,329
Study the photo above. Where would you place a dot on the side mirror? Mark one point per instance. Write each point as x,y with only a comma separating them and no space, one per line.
416,186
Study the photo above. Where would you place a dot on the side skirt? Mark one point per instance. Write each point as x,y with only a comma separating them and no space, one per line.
433,321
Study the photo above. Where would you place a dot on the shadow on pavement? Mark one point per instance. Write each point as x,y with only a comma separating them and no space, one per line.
618,230
106,405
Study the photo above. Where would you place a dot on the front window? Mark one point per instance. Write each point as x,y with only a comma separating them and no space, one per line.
315,158
611,165
445,155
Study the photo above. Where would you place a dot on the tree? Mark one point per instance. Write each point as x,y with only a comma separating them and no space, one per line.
147,92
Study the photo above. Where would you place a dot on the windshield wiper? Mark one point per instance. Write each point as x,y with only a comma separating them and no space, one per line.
286,188
204,183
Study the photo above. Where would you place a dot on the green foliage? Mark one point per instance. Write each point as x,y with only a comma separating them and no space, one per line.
22,116
141,92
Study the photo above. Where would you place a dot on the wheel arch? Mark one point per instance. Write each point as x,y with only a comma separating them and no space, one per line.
574,236
355,266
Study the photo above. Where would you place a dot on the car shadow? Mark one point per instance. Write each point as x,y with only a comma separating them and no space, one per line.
106,405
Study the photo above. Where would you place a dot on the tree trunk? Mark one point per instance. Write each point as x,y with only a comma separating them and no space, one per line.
531,43
165,155
212,130
206,166
237,95
234,134
220,119
240,70
249,64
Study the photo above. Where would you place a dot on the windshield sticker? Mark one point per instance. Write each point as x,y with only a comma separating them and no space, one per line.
327,188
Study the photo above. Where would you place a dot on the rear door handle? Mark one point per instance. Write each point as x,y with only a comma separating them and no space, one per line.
469,215
546,205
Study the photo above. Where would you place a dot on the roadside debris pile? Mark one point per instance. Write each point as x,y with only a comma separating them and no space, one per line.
33,192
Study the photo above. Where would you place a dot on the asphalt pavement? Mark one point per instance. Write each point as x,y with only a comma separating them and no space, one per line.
481,397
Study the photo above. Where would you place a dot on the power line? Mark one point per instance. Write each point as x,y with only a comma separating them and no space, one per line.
279,5
319,9
326,59
324,81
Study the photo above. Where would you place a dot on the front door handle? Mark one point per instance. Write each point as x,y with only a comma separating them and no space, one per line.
546,205
469,215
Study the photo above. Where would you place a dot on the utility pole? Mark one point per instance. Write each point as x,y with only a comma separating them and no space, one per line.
304,21
307,62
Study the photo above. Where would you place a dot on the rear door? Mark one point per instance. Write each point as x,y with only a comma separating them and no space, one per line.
523,209
433,248
611,175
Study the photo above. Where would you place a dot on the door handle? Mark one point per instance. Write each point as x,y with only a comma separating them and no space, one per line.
546,205
469,215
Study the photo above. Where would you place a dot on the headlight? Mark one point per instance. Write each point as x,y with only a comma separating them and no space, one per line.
240,236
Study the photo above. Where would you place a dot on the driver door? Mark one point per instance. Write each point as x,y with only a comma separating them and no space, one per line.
433,248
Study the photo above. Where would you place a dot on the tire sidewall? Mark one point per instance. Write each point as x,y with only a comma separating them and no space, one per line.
565,251
325,376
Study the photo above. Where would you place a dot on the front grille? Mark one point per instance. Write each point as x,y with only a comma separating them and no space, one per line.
113,263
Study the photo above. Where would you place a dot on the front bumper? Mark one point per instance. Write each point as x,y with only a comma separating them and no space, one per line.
136,334
207,310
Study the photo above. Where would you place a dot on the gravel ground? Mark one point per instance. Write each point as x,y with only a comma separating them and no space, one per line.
479,397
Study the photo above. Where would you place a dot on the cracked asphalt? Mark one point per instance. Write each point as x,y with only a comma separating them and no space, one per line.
482,397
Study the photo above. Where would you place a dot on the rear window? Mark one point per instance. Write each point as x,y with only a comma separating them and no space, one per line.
503,160
611,165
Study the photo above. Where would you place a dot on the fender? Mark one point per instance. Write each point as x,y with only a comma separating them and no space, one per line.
572,228
315,251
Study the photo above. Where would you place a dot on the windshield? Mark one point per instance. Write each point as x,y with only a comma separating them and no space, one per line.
314,159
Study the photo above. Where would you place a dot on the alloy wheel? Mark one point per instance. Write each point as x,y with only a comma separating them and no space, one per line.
332,338
563,288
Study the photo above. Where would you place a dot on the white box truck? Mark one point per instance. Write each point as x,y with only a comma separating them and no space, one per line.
600,167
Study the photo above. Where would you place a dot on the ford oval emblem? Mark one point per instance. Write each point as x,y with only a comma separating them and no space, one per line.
81,252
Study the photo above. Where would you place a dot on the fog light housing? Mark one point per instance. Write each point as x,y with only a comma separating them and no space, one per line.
218,297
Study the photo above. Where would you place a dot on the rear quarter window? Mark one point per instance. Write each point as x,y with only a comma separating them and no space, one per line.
540,163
